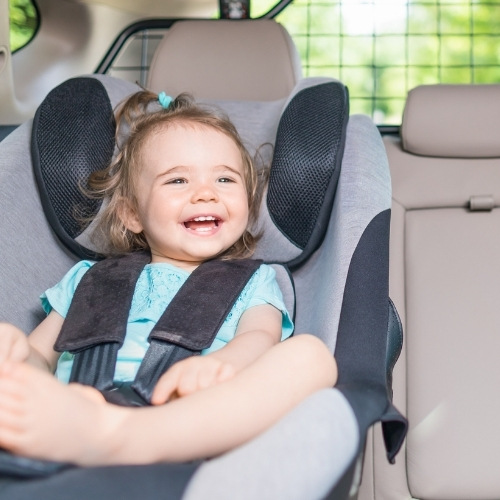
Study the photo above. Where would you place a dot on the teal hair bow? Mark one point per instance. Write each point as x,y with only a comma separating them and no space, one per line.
164,100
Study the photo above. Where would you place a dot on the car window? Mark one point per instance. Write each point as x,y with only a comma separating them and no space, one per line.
382,48
23,22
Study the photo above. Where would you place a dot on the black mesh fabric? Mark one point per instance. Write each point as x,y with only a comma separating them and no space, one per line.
73,135
306,164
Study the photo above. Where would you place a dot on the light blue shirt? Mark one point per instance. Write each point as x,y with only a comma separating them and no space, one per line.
155,288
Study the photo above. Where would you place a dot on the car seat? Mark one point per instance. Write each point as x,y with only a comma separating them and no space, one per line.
326,216
444,280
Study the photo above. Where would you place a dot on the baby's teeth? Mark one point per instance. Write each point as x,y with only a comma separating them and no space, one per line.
201,219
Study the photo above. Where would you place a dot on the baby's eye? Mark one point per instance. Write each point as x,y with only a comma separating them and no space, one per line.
177,180
225,179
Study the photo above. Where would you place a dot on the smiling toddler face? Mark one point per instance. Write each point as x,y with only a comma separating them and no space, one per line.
192,201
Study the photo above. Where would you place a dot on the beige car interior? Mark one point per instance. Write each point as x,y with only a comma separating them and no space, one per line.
444,253
444,280
237,62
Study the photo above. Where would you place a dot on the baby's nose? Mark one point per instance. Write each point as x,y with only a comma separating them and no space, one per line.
205,192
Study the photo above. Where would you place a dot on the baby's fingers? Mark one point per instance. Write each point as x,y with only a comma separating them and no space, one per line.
166,386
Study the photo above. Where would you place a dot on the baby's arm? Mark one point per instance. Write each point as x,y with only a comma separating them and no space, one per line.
37,348
259,329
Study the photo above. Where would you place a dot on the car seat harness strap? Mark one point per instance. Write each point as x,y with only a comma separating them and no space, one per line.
188,325
96,366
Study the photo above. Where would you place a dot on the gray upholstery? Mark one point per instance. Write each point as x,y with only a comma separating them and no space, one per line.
31,256
363,192
444,280
299,458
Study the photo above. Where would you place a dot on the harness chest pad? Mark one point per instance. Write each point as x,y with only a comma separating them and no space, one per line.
187,326
192,319
106,291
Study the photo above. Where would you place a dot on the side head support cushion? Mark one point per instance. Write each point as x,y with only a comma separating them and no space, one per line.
306,165
73,136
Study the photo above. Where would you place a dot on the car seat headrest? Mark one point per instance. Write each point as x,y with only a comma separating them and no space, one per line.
73,135
253,60
453,121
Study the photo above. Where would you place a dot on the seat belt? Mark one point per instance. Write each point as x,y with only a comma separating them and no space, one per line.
96,323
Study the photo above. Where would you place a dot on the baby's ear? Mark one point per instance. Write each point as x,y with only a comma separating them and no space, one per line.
129,217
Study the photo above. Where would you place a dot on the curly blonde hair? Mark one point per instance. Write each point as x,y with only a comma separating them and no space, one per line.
137,118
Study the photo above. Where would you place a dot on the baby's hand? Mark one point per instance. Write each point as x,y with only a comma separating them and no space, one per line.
14,345
191,375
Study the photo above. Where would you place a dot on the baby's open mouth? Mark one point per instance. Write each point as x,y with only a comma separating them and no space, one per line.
203,223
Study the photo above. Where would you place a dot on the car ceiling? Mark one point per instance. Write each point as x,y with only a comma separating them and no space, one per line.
162,8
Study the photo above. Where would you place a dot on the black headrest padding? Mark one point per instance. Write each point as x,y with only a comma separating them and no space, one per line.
306,165
73,136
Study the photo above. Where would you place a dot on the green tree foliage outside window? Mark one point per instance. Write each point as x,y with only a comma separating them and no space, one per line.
383,48
23,23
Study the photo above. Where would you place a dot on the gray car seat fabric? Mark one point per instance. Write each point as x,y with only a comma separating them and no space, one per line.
444,277
318,439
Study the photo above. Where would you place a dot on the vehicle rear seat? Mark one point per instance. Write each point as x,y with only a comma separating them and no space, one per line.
445,282
257,58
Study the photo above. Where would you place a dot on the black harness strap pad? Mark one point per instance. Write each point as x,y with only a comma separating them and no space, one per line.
100,307
193,318
199,308
96,323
